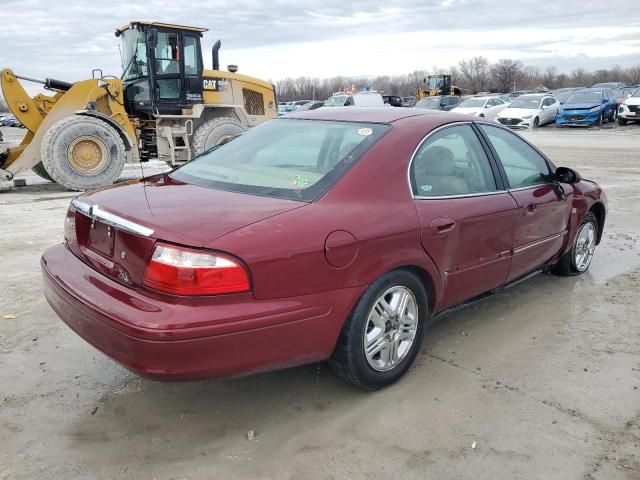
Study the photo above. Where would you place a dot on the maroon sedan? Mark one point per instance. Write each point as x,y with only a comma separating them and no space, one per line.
333,234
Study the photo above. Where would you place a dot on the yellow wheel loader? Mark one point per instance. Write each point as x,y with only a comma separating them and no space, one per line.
165,106
436,85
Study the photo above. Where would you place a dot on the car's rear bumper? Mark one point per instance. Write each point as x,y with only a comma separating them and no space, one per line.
173,338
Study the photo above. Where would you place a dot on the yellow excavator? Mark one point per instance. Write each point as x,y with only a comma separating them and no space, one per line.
165,106
436,85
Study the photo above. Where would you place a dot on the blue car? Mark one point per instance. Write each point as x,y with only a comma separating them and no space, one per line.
590,106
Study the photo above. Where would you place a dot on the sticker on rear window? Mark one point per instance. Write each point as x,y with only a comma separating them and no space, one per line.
365,132
299,181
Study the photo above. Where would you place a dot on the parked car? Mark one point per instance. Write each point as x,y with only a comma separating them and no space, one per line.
310,106
561,94
487,107
393,100
444,102
609,85
590,106
319,248
519,92
11,121
285,108
367,98
409,102
629,111
532,110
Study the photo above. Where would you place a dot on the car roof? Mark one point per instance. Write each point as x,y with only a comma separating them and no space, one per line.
535,95
371,114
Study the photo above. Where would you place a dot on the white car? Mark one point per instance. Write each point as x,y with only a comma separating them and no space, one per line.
367,98
487,107
629,110
530,111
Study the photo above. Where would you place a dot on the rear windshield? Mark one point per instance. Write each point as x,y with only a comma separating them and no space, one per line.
285,158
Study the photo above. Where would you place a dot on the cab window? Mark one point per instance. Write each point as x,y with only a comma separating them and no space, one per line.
191,57
522,164
167,54
451,162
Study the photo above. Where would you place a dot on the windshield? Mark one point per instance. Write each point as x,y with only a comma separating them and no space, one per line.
436,82
335,101
473,103
636,93
433,102
285,158
134,55
524,102
562,96
585,97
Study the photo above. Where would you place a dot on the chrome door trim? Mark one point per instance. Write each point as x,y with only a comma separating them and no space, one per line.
96,213
462,195
539,242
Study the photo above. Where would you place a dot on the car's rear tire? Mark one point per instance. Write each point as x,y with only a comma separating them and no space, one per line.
578,259
383,334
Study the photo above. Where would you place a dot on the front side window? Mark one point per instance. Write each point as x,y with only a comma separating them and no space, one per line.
522,164
285,158
451,162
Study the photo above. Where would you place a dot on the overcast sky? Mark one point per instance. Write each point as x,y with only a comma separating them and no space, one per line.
272,39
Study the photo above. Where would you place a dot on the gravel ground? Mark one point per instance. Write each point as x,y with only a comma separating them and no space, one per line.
543,379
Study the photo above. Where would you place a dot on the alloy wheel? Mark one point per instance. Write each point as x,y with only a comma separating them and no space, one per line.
585,246
391,328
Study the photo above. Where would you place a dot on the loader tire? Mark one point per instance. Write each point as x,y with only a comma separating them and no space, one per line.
39,170
215,131
82,153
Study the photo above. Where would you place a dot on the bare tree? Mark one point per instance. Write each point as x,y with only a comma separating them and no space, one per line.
505,74
474,73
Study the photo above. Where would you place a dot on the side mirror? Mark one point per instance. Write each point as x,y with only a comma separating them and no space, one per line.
544,107
566,175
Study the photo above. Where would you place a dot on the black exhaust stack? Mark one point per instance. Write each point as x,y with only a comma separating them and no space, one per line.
59,85
214,54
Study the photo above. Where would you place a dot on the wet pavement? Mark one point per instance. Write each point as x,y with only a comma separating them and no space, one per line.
543,379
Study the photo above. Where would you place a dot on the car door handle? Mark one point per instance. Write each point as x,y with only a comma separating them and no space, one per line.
440,226
530,209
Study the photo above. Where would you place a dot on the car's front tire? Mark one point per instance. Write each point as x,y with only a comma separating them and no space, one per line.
382,336
577,260
622,121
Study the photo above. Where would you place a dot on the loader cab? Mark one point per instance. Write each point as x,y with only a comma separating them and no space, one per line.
162,68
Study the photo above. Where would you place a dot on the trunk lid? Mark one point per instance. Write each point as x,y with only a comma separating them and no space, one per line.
117,227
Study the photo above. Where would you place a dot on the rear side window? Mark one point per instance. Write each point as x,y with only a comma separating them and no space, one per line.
451,162
285,158
522,164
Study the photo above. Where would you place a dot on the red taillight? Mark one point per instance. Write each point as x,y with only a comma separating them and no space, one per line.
70,235
182,271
